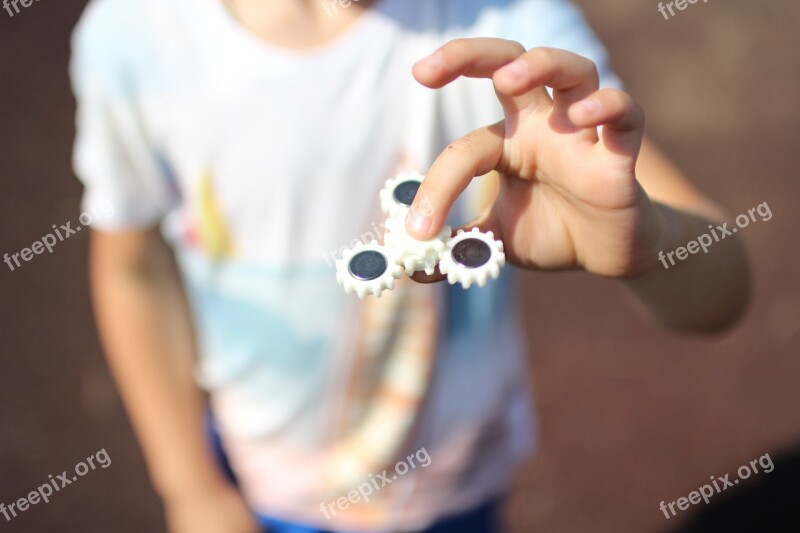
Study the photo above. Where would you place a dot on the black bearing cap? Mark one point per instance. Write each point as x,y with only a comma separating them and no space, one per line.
472,253
367,265
405,192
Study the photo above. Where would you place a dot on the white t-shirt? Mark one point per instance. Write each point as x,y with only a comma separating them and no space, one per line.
261,163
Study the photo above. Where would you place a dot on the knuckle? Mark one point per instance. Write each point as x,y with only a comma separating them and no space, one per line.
619,99
542,55
584,63
520,48
590,69
624,104
458,46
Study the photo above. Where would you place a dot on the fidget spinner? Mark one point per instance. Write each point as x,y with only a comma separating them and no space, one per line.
398,194
471,257
412,254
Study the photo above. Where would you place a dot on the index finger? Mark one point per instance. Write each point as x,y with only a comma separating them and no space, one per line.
473,155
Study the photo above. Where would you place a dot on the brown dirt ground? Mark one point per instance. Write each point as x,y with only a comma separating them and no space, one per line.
630,415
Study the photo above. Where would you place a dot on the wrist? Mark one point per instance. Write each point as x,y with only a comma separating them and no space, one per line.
656,232
665,230
669,230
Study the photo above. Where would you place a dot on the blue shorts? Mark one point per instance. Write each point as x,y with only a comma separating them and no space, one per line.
485,518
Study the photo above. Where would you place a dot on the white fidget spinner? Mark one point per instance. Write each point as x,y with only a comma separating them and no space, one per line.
414,255
469,257
367,269
472,257
398,193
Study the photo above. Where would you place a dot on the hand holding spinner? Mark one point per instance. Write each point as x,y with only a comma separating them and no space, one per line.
469,257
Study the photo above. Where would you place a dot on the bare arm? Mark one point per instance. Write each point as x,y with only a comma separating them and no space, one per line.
145,327
703,293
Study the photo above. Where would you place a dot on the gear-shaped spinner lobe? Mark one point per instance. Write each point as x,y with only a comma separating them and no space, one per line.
367,269
398,193
472,257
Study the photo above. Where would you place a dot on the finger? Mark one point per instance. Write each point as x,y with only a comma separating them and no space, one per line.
473,58
476,58
572,77
619,114
473,155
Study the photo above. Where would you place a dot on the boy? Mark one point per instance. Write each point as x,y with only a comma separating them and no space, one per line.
255,136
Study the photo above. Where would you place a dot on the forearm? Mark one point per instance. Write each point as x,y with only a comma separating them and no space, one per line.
146,332
701,292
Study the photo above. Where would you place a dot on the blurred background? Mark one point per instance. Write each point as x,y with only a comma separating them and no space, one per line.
630,415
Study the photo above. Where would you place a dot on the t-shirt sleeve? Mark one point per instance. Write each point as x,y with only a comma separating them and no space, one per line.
112,155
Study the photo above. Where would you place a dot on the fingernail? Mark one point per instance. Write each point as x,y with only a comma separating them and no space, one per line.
434,60
590,106
418,222
515,69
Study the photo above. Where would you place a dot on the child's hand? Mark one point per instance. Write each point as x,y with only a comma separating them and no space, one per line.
219,509
567,198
